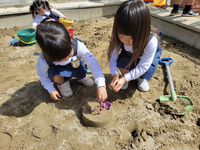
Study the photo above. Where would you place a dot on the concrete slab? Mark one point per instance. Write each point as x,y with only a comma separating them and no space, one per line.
13,16
185,29
60,6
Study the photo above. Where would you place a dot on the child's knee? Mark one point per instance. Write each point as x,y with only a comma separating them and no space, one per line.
58,79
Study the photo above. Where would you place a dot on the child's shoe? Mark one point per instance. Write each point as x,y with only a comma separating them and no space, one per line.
87,81
190,14
143,85
65,89
125,86
175,12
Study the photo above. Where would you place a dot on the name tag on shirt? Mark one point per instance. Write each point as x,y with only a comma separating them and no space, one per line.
70,60
76,63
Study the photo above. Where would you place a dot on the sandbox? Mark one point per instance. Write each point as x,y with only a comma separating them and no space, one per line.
29,119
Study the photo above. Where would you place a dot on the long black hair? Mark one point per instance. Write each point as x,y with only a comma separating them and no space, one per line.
54,40
132,19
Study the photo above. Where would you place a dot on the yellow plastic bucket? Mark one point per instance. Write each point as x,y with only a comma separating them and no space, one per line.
66,22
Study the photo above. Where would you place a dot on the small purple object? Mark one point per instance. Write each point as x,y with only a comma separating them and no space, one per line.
106,105
103,105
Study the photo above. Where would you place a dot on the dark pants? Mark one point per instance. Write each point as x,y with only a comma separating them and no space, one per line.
125,57
67,71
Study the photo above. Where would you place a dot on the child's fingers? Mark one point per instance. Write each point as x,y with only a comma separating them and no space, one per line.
114,81
57,97
110,87
101,98
113,84
117,88
101,94
104,97
50,19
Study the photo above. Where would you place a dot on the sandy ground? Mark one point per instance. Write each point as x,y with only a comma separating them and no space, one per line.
29,119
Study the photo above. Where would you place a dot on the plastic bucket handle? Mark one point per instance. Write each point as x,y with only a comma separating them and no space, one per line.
166,61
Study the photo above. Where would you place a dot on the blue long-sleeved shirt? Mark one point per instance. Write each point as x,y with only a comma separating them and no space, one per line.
82,52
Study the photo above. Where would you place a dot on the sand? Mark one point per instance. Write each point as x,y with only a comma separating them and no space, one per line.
29,119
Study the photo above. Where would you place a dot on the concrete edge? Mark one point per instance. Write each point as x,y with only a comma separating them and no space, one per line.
185,29
59,6
75,11
192,28
185,22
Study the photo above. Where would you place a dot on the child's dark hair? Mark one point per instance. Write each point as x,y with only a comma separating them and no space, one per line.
132,19
54,40
37,4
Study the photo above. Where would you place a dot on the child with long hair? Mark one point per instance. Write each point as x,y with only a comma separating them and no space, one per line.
41,10
134,48
62,58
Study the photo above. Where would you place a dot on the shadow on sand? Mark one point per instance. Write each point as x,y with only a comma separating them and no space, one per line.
27,98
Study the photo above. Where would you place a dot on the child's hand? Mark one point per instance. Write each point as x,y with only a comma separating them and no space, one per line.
113,82
119,84
55,95
51,19
34,27
101,94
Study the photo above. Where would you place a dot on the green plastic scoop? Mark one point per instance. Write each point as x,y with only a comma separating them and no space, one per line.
173,97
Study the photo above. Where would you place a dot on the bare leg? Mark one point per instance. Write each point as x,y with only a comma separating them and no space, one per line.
176,8
178,2
187,10
58,79
189,2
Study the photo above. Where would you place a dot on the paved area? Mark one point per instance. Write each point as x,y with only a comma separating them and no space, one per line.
185,29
